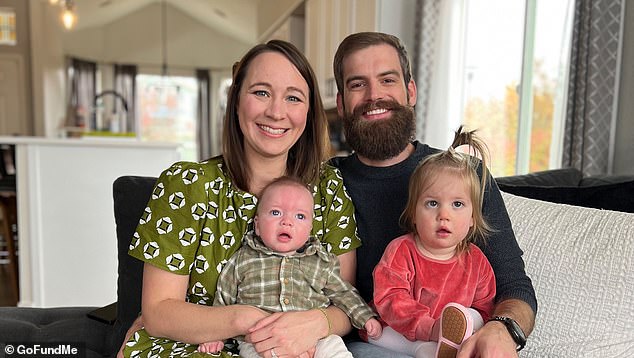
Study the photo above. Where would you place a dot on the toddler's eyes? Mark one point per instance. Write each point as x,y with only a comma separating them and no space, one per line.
458,204
432,204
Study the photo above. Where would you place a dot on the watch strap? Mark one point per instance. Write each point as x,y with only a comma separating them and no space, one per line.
514,330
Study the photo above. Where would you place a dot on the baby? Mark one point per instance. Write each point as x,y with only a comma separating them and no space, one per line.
280,268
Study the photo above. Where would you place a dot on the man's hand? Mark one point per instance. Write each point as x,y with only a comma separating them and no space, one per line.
491,341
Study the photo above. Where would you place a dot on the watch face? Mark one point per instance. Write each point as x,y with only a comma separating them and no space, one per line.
518,330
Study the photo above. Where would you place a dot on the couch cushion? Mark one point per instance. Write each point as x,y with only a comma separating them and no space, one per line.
552,177
615,196
581,262
54,325
131,195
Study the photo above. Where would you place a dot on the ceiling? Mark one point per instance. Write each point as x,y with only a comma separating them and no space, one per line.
236,18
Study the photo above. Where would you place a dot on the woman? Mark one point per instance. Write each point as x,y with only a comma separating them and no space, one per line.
275,125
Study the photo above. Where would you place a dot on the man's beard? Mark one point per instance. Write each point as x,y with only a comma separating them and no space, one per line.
380,139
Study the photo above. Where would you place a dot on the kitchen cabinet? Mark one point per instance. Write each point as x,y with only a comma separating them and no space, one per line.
327,23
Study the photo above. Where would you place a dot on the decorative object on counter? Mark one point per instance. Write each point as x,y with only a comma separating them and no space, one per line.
102,120
113,122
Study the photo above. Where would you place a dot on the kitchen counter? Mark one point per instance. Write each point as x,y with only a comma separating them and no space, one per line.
66,229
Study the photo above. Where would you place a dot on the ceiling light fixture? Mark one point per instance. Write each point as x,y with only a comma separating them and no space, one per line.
68,15
164,37
165,85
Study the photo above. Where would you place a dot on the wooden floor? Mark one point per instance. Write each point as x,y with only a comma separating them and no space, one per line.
6,291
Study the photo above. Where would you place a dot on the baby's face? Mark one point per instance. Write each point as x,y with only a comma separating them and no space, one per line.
284,218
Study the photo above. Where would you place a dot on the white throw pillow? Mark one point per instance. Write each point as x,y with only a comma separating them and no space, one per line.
582,267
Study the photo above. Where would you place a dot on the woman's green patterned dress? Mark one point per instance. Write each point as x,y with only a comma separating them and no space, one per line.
195,221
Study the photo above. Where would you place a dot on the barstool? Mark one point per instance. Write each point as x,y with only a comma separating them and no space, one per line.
8,208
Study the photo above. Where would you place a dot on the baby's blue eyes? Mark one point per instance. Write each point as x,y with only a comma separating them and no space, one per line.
276,212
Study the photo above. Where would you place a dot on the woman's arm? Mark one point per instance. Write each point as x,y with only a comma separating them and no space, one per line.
167,314
348,266
339,321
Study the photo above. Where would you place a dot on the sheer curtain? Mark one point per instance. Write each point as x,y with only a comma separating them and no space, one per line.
593,86
82,79
438,63
125,85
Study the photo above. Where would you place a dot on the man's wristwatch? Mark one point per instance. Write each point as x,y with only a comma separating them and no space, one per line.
514,330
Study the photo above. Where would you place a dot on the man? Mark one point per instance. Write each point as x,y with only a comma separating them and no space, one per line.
376,98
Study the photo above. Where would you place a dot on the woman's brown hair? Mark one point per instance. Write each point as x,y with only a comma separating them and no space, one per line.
312,148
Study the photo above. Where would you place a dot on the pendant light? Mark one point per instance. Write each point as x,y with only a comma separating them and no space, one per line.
164,38
165,85
68,15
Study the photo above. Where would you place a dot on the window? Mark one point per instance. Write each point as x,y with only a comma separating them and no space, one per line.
7,27
166,109
515,76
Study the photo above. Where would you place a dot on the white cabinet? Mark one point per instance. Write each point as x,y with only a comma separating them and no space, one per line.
327,23
66,227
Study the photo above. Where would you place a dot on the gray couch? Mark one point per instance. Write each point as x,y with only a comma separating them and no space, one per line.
579,258
99,329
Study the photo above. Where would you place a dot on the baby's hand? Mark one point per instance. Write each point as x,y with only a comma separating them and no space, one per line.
374,328
211,347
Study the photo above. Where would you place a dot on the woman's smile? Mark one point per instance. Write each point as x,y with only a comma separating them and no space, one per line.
271,130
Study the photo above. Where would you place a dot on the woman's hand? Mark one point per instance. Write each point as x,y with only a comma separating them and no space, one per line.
136,325
288,333
249,317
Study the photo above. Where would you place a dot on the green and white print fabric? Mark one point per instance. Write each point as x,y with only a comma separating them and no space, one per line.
194,223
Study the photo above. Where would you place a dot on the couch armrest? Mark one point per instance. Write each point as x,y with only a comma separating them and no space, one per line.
106,314
131,195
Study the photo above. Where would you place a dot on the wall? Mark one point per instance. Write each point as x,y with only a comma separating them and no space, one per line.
23,50
47,57
268,17
405,12
137,38
624,144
